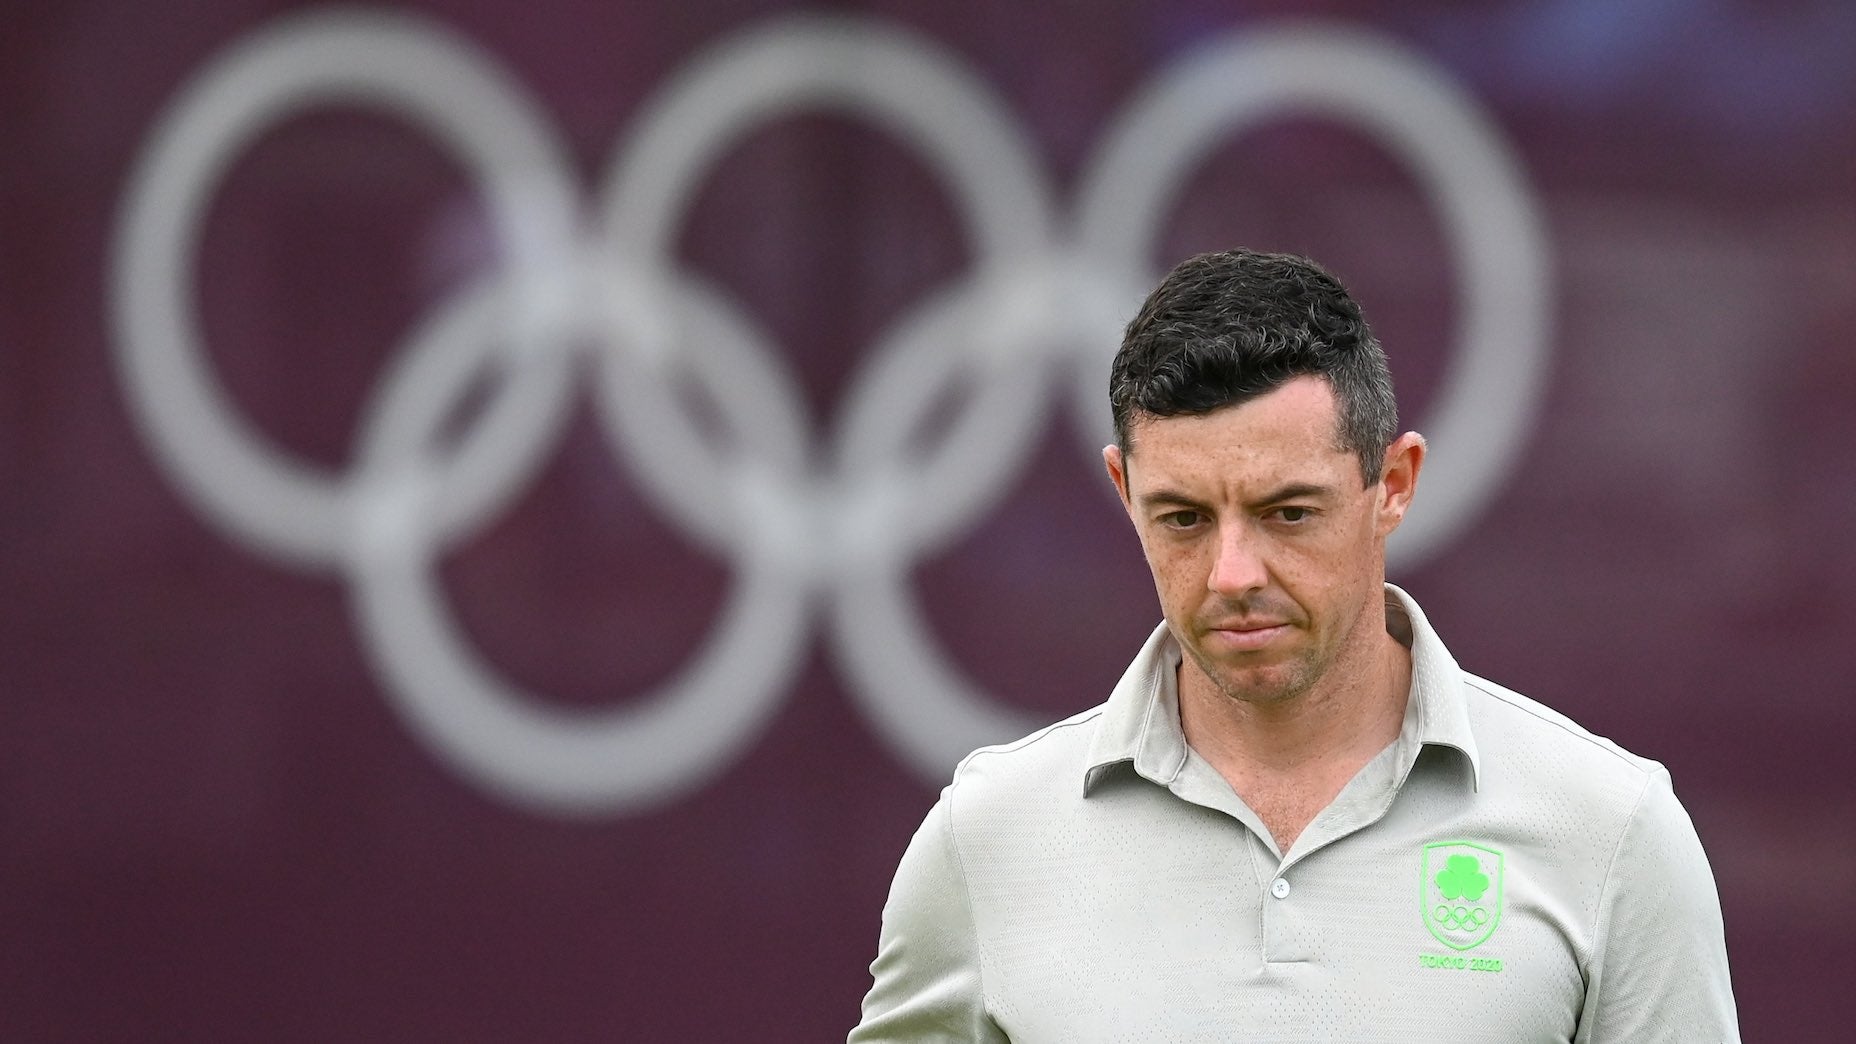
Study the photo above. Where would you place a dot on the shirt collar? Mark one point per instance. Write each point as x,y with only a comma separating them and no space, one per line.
1438,710
1139,725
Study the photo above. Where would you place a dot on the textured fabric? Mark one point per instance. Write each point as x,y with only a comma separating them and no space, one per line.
1497,873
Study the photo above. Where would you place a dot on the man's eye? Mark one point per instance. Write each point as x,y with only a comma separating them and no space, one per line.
1181,519
1293,514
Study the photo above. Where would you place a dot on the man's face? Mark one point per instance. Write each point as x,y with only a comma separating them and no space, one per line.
1267,551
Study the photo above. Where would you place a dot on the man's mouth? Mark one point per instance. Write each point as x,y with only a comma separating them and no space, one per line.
1245,635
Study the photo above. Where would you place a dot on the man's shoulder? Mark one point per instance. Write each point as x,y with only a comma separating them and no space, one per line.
1525,733
1040,767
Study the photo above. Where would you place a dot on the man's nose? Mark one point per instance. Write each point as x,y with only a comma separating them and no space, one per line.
1239,568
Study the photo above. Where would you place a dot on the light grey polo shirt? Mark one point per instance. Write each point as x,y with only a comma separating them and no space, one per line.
1496,874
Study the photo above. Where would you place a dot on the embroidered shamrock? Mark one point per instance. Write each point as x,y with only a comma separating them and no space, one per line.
1462,878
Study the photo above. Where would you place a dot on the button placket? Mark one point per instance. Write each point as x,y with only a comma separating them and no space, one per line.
1286,919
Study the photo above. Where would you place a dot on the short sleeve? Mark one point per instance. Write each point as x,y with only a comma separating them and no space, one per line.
927,970
927,984
1659,971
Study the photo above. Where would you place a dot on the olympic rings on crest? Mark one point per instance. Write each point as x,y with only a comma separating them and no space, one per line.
1459,918
805,523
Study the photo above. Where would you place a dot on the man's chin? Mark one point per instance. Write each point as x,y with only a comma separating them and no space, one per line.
1263,686
1254,679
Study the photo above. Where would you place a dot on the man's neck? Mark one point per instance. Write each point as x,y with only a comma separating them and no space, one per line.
1289,758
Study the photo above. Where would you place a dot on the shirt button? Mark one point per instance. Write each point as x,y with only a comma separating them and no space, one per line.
1279,888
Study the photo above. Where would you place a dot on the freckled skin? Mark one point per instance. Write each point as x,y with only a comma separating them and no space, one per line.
1268,554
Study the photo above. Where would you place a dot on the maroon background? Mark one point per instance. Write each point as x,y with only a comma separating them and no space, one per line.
213,826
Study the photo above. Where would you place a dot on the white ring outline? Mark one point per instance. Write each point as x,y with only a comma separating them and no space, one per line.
900,82
569,762
1488,402
386,61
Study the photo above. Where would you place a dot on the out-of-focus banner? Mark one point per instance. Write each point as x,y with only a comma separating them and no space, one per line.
509,515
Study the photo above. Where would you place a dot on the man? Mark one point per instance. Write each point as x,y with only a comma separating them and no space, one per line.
1295,819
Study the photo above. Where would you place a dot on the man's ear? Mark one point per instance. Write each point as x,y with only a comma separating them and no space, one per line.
1117,466
1398,479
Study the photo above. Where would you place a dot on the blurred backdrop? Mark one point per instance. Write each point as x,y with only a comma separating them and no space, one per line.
510,513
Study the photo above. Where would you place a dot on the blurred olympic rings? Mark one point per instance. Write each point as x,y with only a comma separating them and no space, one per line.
808,524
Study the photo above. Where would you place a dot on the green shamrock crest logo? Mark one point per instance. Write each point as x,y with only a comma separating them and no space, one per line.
1460,893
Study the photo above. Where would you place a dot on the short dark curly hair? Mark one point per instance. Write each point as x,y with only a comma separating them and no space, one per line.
1224,328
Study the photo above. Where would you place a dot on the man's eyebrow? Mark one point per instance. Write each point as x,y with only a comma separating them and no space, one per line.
1292,491
1295,491
1164,496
